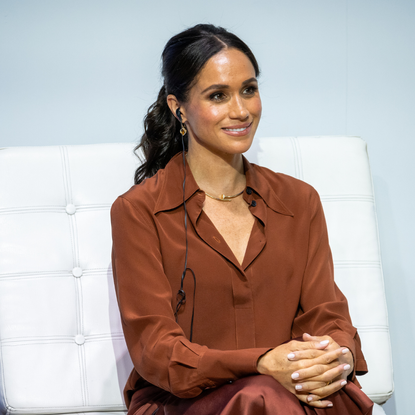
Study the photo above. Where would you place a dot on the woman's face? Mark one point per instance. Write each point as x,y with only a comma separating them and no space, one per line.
224,107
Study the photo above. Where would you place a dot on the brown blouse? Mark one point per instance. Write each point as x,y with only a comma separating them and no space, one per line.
284,288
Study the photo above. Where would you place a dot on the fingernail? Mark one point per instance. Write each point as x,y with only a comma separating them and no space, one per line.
344,383
307,334
325,342
330,405
344,351
347,367
310,398
291,356
298,387
295,375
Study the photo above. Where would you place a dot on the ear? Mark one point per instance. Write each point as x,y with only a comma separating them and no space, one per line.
174,105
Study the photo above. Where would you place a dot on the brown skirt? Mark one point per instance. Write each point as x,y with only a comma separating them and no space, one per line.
253,395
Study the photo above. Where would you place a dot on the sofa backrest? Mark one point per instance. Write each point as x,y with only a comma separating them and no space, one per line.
62,347
61,343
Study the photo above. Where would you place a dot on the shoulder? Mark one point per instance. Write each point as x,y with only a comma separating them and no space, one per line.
142,197
290,190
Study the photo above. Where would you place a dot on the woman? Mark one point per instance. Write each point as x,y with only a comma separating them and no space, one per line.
228,335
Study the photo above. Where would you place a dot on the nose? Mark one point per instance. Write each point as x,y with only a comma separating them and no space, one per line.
238,109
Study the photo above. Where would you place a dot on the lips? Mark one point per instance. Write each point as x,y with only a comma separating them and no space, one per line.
239,127
238,130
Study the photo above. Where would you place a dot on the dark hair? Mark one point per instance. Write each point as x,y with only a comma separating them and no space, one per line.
183,58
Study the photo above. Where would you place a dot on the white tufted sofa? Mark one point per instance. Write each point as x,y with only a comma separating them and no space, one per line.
61,343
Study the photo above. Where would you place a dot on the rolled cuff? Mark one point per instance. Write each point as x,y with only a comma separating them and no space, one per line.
221,366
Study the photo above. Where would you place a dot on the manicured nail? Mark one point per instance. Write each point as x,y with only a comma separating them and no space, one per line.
344,383
347,367
344,351
325,342
298,387
295,375
330,405
291,356
310,398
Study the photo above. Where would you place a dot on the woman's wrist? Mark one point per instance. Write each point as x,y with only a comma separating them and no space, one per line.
262,364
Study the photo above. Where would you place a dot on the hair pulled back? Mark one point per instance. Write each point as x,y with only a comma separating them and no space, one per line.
183,58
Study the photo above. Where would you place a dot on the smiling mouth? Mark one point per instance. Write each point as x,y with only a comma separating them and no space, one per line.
238,129
235,129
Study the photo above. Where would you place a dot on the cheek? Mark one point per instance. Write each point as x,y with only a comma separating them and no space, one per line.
207,116
256,107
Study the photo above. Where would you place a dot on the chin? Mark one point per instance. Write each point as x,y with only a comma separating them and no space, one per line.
239,149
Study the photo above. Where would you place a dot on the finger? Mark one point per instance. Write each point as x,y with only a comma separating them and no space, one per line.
309,338
327,390
330,357
314,401
308,386
325,373
319,345
314,354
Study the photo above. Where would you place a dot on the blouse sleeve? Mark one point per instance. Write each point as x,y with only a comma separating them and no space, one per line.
323,307
159,349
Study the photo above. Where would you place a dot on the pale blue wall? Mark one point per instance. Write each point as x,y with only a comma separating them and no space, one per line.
84,71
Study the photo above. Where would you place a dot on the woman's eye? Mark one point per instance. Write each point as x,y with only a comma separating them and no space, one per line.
250,90
217,96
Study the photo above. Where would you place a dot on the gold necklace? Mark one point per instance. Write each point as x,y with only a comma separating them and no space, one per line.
223,198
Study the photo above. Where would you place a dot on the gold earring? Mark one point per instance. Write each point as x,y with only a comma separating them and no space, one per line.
183,130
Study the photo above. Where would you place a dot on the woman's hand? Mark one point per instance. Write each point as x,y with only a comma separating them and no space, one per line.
319,386
303,367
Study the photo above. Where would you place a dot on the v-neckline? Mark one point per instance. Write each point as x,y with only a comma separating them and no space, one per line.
227,244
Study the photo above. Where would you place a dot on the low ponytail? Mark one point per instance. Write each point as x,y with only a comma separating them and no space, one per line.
161,139
184,56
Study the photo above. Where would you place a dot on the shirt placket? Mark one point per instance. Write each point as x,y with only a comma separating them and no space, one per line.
241,284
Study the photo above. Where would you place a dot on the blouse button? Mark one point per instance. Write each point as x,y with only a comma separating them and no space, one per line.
253,203
249,190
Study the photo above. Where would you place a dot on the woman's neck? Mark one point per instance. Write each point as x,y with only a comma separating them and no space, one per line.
217,174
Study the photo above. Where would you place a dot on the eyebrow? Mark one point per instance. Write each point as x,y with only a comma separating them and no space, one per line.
223,86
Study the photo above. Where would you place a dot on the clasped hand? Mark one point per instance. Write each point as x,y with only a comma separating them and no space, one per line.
312,369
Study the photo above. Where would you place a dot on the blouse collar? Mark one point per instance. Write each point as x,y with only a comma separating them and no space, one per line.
171,195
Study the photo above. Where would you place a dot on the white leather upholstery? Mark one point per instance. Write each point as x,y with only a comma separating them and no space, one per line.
62,348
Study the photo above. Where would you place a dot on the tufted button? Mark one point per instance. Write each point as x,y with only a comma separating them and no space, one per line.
249,190
79,339
253,203
77,272
231,381
70,209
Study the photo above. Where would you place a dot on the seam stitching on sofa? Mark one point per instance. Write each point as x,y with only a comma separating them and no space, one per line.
74,409
347,198
380,255
297,165
55,274
368,329
300,158
75,263
51,208
59,339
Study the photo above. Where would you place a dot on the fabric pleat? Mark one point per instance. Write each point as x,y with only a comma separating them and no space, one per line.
252,395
